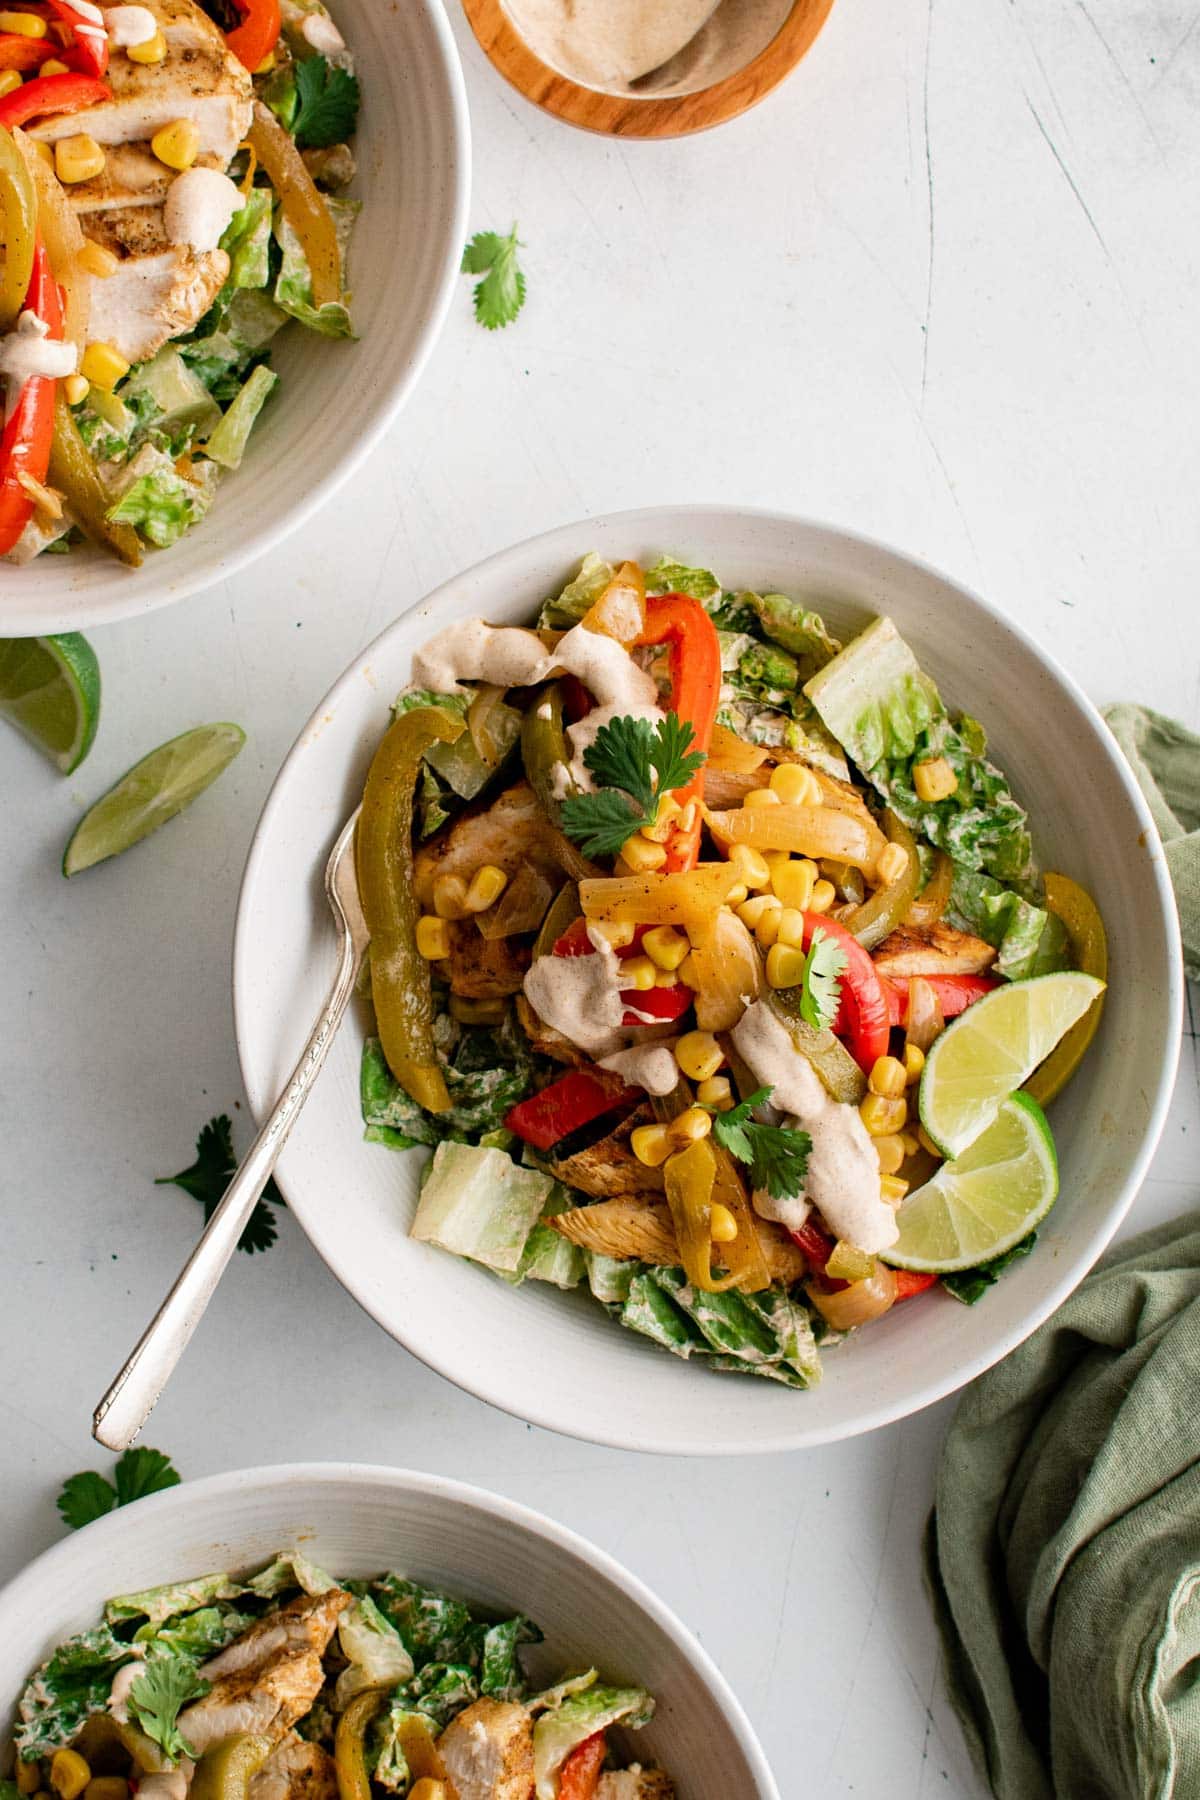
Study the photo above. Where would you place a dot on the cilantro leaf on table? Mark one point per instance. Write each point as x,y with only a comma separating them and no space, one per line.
326,104
165,1685
89,1495
636,764
821,985
777,1155
500,295
208,1177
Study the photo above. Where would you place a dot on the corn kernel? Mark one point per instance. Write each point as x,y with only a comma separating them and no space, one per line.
796,785
666,978
882,1115
761,797
154,50
97,259
690,1126
450,897
665,946
914,1062
689,974
785,966
892,1189
44,152
69,1774
716,1092
791,928
433,938
78,158
887,1077
106,1787
823,896
776,860
934,780
751,911
28,1776
892,864
794,881
641,857
722,1226
767,929
737,893
618,934
53,66
10,81
666,820
23,23
927,1143
486,886
638,972
427,1788
890,1151
751,865
699,1055
177,145
910,1143
471,1012
652,1145
75,387
103,366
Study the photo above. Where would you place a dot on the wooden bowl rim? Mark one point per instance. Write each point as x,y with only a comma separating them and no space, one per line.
615,115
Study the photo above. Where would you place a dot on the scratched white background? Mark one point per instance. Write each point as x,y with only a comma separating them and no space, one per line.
942,288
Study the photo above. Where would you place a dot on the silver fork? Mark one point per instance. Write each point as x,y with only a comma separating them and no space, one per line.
131,1398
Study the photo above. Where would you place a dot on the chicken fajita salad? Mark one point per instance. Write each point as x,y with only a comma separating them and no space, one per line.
290,1685
710,959
170,191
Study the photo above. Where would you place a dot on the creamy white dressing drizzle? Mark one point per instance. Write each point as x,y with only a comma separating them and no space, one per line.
198,207
619,687
580,996
27,350
87,10
649,1066
168,1784
843,1168
129,26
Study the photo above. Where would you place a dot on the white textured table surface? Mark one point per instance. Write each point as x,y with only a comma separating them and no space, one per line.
939,288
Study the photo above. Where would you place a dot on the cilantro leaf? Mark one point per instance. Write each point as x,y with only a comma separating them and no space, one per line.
165,1684
777,1155
603,823
821,986
326,104
621,755
629,756
500,296
143,1471
673,761
85,1497
89,1495
208,1177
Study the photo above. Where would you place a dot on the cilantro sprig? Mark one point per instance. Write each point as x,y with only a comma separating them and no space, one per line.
821,983
777,1155
208,1177
327,101
89,1495
636,764
500,295
165,1685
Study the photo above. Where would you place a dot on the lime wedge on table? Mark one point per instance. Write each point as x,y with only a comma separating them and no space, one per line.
50,690
992,1049
986,1200
153,791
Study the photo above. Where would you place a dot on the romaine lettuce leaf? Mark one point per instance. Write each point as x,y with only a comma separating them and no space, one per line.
200,1634
560,1729
247,241
581,592
500,1672
158,1604
651,1312
792,626
548,1256
70,1685
386,1106
1029,940
479,1204
671,577
434,1626
375,1652
761,1332
293,284
227,441
222,355
289,1571
608,1278
170,404
970,1285
158,500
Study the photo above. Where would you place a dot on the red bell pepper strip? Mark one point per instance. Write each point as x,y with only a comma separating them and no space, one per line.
22,53
51,94
694,655
816,1246
910,1282
956,993
90,49
579,1776
863,1018
574,1100
254,39
25,445
665,1003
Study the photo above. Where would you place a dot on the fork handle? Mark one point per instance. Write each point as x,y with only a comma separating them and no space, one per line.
131,1398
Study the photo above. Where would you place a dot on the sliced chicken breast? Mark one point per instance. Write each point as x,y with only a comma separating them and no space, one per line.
132,176
937,950
635,1784
268,1678
296,1771
488,1752
152,298
306,1623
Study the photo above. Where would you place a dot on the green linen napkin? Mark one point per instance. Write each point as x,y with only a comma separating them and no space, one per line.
1063,1554
1166,760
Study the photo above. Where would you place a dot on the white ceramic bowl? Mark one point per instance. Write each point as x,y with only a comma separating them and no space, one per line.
356,1520
557,1359
414,152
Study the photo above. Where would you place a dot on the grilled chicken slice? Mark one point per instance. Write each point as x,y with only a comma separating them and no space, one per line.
159,290
935,950
132,176
488,1752
640,1229
295,1770
609,1167
198,80
510,832
480,968
635,1784
269,1677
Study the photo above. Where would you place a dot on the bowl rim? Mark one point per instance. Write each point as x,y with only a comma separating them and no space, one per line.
46,1569
479,1382
146,592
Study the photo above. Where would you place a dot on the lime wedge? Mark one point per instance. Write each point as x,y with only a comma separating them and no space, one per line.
992,1049
153,791
986,1200
50,690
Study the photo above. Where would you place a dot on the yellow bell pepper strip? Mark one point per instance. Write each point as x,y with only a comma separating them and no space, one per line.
18,222
77,479
816,831
400,984
729,753
350,1742
934,897
303,207
689,1177
416,1737
1089,948
108,1747
689,897
877,917
742,1255
58,228
620,612
226,1771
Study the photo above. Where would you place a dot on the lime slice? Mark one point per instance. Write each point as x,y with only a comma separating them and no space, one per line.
153,791
50,690
992,1049
986,1200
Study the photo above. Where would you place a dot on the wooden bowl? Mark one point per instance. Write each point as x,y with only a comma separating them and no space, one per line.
627,114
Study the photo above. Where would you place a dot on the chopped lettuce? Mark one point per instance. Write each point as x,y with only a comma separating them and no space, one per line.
459,764
222,355
652,1313
547,1256
500,1672
561,1729
477,1203
374,1651
158,500
1030,941
291,1571
386,1106
888,715
609,1279
794,627
158,1604
580,593
670,577
72,1683
199,1634
293,284
970,1285
227,442
441,1690
171,405
433,1625
760,1332
247,241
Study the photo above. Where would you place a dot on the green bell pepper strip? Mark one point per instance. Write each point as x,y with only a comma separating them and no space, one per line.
18,222
877,917
400,981
840,1075
226,1771
544,753
1089,950
77,479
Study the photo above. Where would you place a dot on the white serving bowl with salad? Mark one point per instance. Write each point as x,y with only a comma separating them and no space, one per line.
342,1630
808,1112
222,224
